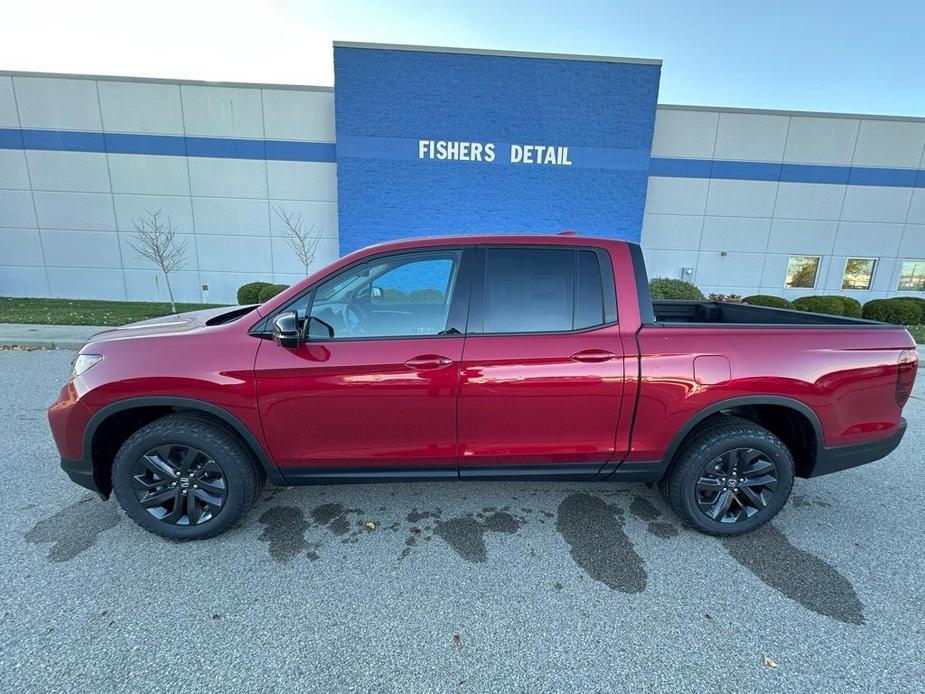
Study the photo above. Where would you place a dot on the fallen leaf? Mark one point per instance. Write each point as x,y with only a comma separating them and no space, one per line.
767,662
369,525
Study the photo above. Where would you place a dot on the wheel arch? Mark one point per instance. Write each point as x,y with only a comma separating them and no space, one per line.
791,420
132,413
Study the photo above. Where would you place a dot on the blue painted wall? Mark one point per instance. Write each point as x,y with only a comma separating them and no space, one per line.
386,100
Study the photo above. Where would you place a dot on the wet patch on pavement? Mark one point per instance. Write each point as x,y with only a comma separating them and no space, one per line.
663,530
646,511
466,534
593,530
410,542
284,532
807,501
334,516
417,515
796,574
592,527
75,528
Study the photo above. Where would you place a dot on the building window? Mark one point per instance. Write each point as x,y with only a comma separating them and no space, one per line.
802,270
912,276
859,272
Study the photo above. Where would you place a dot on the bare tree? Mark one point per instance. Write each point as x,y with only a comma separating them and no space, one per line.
156,240
303,241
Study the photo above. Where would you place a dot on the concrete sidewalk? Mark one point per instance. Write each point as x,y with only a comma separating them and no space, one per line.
29,336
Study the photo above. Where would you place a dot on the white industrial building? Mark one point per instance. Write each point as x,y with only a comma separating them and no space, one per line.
738,200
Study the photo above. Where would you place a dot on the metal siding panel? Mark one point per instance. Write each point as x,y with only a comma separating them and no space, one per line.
222,111
51,102
141,107
298,115
9,117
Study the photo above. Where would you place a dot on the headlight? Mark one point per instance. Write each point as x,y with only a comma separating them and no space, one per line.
83,362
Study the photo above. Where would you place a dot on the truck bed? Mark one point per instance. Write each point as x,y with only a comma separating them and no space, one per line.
716,312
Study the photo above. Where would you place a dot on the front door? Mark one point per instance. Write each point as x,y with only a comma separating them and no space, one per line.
542,372
372,390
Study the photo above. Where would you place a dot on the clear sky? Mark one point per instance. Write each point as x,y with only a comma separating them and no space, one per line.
825,55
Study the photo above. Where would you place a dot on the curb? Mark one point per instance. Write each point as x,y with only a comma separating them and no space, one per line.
28,344
41,336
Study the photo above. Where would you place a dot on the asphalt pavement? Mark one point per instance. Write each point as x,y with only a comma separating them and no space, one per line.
458,587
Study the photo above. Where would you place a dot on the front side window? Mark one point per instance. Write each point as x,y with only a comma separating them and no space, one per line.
802,271
537,290
423,282
912,276
859,273
404,295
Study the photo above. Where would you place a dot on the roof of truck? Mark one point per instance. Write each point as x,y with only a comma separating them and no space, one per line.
563,239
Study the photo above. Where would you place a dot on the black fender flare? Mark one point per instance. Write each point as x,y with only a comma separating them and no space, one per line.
180,403
776,400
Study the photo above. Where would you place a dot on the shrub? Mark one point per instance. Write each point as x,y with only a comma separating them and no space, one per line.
850,307
667,288
390,295
250,293
270,291
900,311
768,300
726,298
918,301
426,296
830,305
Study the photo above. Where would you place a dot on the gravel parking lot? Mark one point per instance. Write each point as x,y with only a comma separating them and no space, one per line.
481,587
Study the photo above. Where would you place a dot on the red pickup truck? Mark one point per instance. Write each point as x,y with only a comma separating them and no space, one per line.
490,357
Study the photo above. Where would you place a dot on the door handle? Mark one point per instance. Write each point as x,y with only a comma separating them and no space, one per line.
428,361
593,355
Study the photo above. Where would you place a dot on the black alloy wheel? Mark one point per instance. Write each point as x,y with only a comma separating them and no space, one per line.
186,476
179,485
731,477
736,485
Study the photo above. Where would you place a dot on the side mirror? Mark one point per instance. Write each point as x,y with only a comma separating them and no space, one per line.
375,293
286,330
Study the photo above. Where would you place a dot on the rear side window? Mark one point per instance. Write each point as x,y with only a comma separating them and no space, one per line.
536,290
589,300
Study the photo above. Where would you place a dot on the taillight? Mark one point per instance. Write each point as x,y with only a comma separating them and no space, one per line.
906,368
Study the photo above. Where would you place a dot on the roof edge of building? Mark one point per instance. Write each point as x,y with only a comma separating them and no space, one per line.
790,112
163,80
493,52
435,49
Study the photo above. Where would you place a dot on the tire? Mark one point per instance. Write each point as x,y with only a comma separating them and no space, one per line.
206,477
230,432
732,463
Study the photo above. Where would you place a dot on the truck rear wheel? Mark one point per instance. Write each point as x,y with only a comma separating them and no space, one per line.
730,479
185,478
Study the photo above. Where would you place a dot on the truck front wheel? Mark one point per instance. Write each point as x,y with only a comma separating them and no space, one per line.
730,479
185,478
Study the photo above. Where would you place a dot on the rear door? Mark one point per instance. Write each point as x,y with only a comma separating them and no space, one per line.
542,371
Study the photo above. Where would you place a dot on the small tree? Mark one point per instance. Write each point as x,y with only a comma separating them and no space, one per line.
303,241
156,241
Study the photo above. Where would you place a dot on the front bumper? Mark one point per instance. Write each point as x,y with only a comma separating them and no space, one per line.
845,457
81,472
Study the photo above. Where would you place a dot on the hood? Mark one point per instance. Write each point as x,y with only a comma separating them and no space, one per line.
174,323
